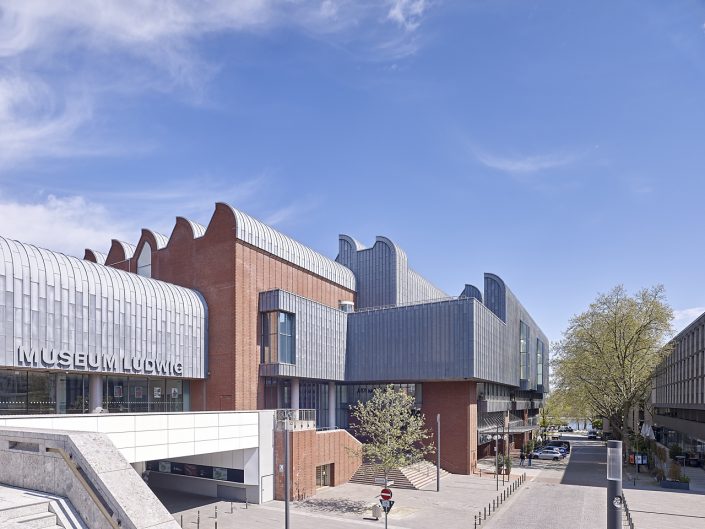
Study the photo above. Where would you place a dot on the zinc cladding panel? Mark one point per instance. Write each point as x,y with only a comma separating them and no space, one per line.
62,303
429,341
320,333
494,359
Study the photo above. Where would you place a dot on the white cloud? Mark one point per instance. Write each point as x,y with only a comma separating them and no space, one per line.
68,225
524,164
682,318
407,13
46,101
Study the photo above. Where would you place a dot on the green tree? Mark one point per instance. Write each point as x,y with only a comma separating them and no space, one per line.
391,429
609,353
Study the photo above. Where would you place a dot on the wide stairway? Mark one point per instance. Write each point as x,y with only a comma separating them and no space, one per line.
24,509
414,476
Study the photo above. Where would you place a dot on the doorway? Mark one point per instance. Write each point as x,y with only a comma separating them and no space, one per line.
323,475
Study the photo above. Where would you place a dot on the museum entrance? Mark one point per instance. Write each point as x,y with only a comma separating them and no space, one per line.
323,475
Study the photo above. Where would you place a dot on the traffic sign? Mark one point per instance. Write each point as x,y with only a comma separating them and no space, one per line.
386,505
386,494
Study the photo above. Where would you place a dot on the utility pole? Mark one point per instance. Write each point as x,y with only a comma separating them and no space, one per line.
438,452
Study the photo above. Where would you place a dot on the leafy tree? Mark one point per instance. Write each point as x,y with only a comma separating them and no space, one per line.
609,353
391,429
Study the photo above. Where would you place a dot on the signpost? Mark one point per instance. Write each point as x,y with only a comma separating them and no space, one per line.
386,502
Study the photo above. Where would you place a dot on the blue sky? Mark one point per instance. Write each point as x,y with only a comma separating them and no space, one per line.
559,144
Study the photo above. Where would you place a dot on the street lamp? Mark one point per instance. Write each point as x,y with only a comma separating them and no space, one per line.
614,484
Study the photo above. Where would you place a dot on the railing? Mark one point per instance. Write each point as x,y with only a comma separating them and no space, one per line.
412,303
296,415
90,489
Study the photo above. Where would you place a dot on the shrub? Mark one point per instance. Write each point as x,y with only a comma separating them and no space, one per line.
674,472
675,450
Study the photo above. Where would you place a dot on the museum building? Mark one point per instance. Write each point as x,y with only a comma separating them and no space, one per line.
236,316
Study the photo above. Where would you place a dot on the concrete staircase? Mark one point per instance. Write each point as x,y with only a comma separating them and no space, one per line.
414,476
38,514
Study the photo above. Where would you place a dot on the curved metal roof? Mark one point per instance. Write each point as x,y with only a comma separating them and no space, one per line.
52,301
162,240
268,239
199,230
128,248
98,256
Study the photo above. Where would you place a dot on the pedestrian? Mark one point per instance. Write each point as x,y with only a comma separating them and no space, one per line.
522,456
530,458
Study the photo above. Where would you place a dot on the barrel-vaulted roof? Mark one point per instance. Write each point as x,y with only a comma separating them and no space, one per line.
258,234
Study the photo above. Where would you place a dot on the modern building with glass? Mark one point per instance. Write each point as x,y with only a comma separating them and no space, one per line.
678,395
236,316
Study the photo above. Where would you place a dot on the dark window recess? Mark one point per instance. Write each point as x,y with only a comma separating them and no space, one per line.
236,475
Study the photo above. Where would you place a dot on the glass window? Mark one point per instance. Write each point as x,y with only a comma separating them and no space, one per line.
539,362
157,395
278,338
523,350
139,394
41,393
75,393
144,261
13,392
116,395
174,398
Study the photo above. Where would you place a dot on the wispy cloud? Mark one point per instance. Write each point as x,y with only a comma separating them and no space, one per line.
524,164
68,224
138,45
683,317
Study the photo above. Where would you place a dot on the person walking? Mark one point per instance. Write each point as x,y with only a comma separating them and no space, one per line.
530,457
522,456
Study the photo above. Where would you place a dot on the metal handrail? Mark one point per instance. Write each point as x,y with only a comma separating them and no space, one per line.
296,414
97,499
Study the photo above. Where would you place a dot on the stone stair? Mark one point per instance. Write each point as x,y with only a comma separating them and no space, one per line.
32,515
414,476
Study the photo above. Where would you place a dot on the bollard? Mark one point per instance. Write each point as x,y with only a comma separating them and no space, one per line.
479,515
485,510
182,521
198,520
494,507
216,523
216,514
475,522
231,507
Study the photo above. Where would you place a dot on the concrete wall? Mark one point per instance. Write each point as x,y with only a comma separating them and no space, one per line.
29,465
171,436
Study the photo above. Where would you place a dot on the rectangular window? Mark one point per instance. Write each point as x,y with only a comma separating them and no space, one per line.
278,345
539,362
524,350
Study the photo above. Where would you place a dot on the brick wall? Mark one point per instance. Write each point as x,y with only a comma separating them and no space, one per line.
457,404
309,449
229,274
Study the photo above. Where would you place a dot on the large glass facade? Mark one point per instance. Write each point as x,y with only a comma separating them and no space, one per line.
524,350
43,392
539,361
278,342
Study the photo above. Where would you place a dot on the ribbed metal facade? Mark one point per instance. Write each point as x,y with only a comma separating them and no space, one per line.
59,304
320,333
421,342
383,275
270,240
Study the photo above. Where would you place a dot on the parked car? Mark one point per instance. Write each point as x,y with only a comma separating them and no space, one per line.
548,453
560,444
592,434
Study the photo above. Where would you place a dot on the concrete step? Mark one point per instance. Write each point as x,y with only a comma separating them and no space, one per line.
11,513
40,520
412,477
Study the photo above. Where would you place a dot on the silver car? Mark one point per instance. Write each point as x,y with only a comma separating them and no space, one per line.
548,453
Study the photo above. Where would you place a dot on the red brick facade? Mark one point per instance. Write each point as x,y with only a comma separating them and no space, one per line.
229,273
456,402
310,449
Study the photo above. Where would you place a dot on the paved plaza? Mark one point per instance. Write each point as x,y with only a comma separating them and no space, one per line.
556,495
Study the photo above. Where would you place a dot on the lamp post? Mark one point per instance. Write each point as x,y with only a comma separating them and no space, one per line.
286,470
614,484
